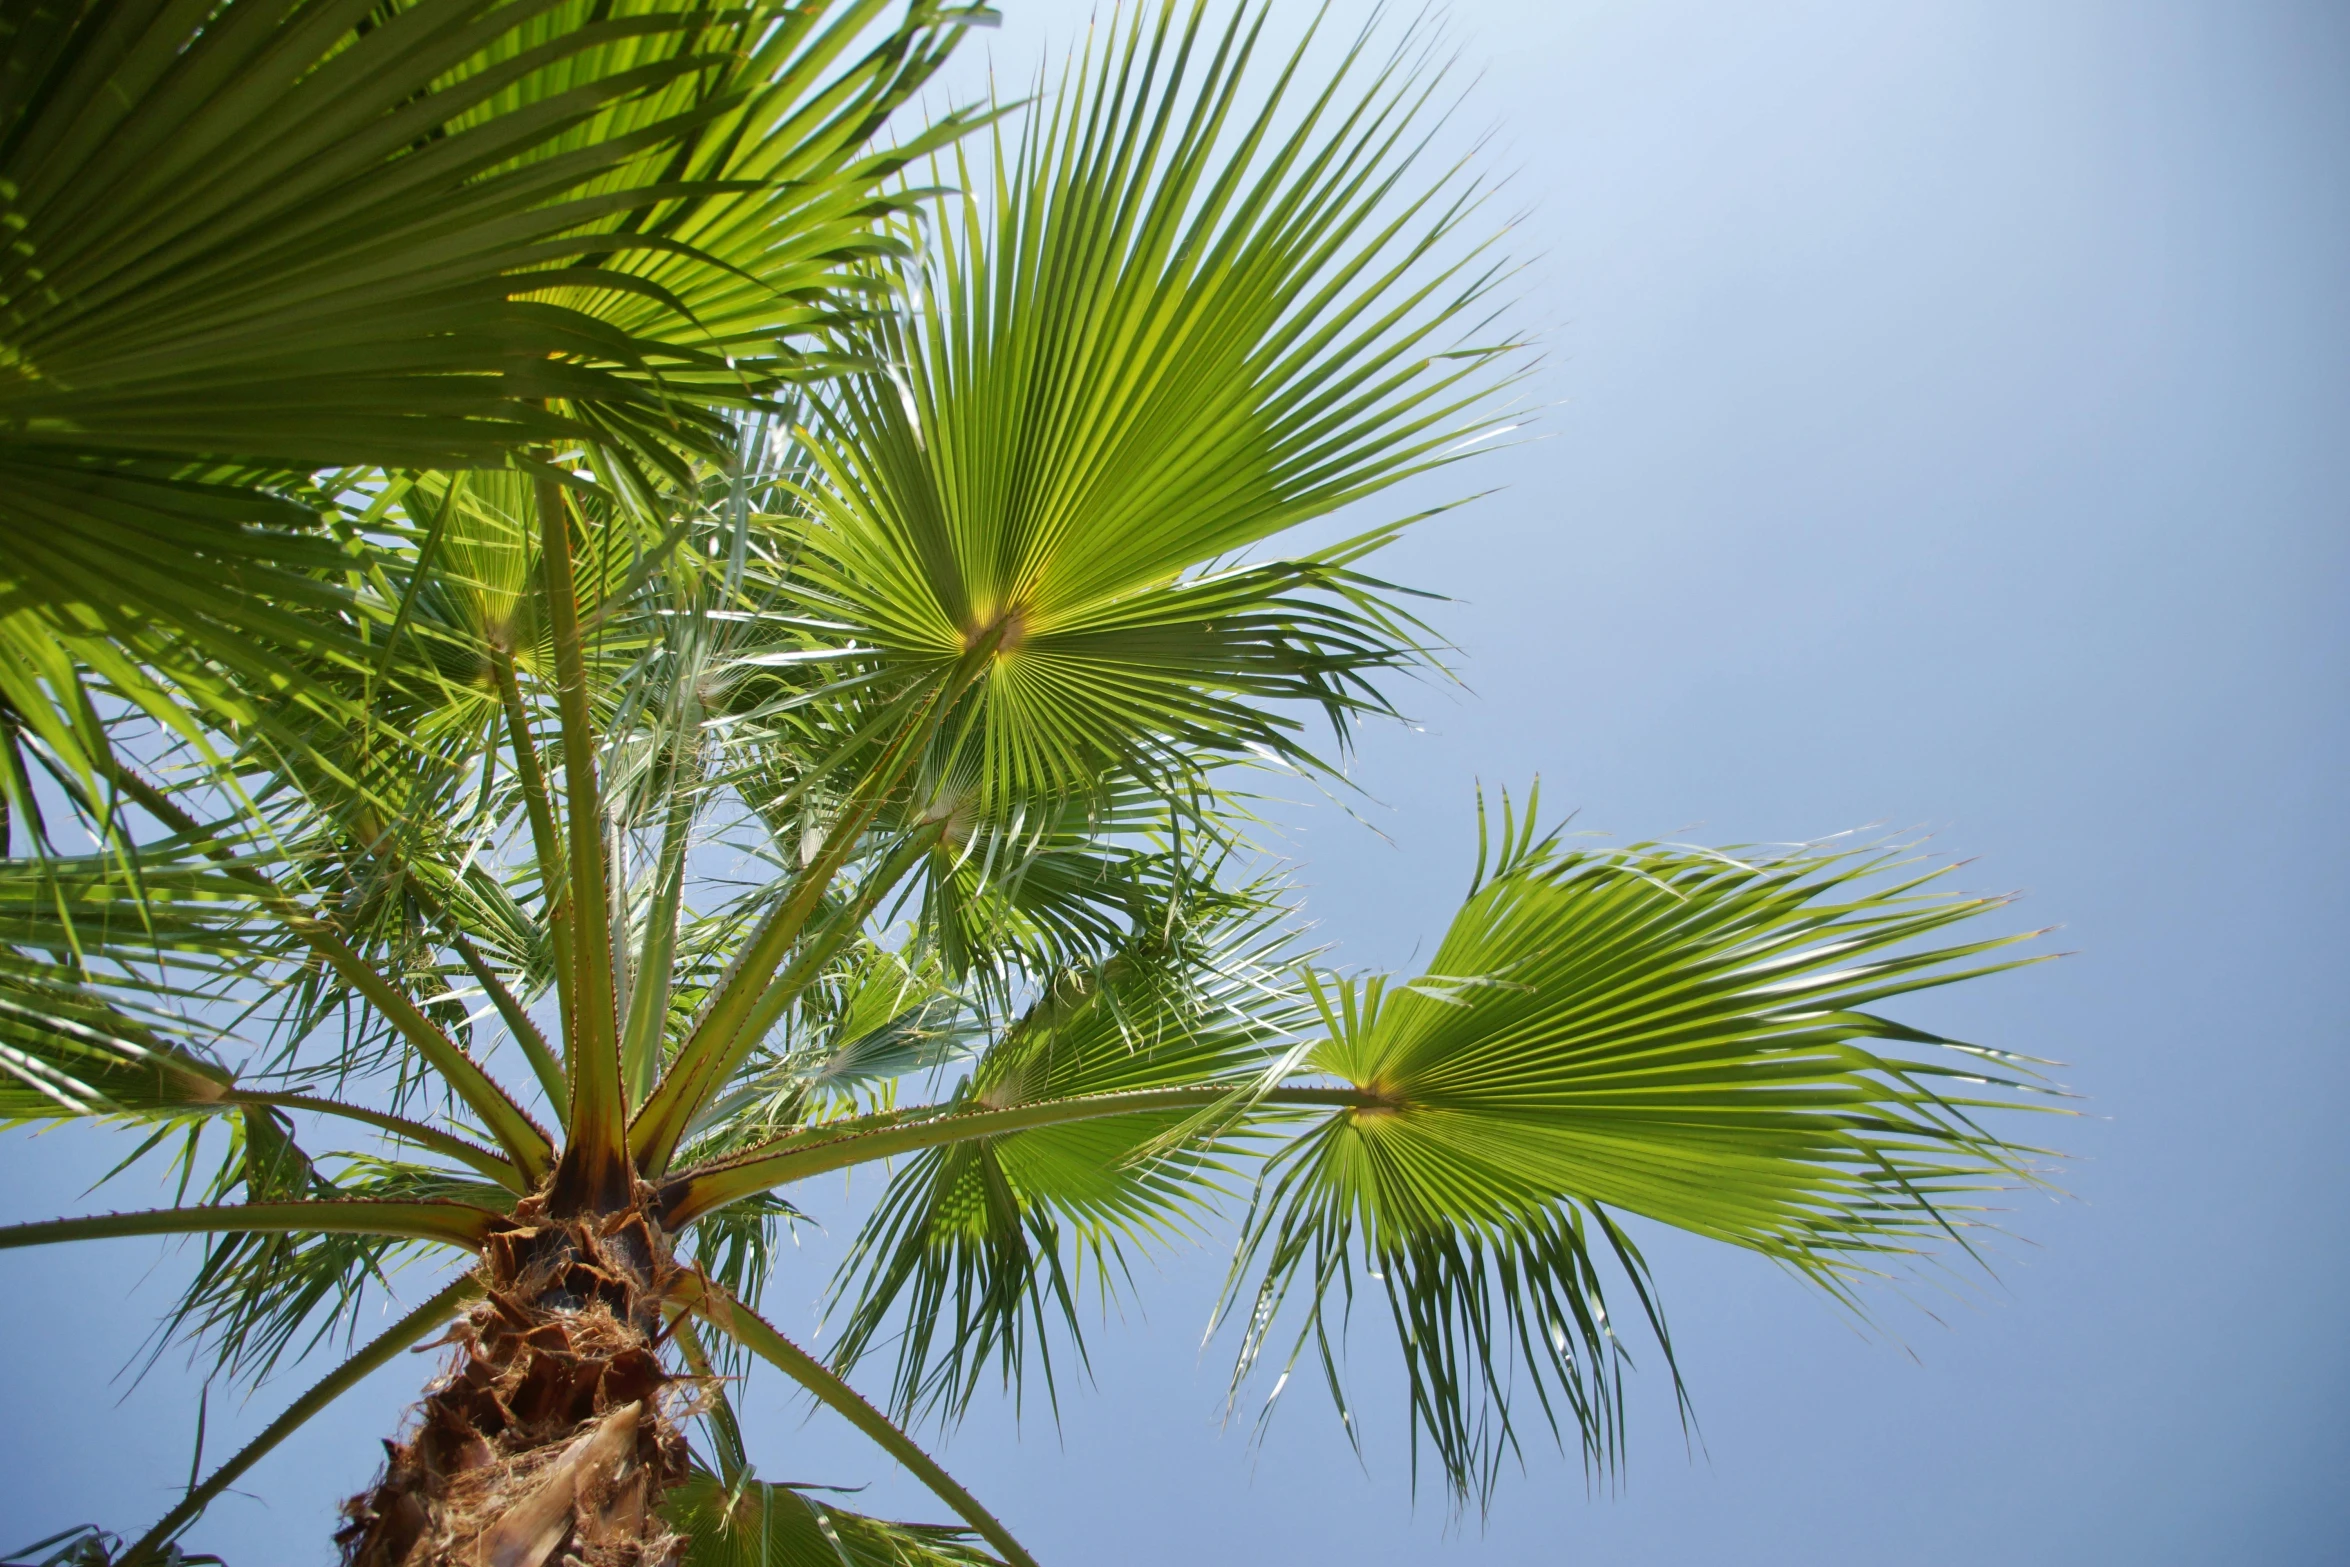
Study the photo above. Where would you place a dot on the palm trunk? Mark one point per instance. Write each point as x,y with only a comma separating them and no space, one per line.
547,1440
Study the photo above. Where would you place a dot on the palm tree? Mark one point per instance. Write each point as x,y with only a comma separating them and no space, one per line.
769,643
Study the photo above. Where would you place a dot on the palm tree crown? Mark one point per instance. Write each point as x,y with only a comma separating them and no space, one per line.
620,652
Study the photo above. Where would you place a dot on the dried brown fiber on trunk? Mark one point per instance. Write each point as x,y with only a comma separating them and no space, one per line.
547,1443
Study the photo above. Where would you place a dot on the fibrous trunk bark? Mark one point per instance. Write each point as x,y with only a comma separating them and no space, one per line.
547,1442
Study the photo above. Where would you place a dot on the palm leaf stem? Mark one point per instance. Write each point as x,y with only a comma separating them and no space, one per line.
500,1170
386,1347
723,1033
824,944
525,1142
697,1073
835,932
726,1433
594,1169
747,1328
426,550
451,1223
799,1155
544,1063
648,1001
545,842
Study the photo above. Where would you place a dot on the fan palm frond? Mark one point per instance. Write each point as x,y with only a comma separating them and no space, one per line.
1684,1034
1174,324
253,241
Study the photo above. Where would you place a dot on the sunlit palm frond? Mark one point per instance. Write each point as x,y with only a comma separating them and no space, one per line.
774,203
252,241
881,1017
1174,324
312,236
186,590
68,1050
1683,1034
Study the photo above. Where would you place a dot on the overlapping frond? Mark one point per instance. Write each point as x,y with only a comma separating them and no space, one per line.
878,1019
67,1051
253,241
320,234
977,1252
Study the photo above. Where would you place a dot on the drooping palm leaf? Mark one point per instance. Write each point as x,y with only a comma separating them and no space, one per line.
69,1051
1065,883
264,922
1683,1034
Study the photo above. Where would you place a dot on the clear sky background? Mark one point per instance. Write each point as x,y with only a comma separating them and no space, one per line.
1946,422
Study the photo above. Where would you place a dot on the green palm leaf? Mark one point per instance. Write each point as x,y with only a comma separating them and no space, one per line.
978,1250
72,1047
754,1524
319,234
255,240
1679,1033
66,1051
1136,357
145,924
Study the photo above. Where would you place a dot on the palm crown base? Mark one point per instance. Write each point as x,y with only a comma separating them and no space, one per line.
552,1427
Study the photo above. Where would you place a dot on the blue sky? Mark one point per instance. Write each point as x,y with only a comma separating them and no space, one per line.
1945,423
